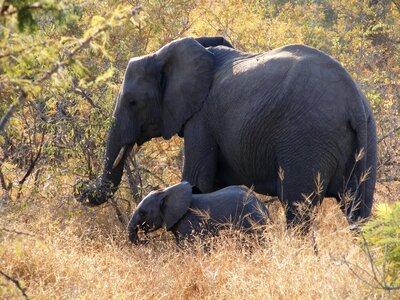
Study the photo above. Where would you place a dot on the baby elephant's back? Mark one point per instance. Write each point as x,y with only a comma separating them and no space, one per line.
233,205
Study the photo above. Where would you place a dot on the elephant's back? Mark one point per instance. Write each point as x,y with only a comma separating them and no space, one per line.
231,204
270,105
268,78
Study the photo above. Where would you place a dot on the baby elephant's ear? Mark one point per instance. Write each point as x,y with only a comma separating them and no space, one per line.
176,203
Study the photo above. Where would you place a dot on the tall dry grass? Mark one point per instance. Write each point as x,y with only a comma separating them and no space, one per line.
78,253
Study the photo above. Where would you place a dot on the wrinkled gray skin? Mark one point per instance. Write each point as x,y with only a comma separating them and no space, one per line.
246,116
187,215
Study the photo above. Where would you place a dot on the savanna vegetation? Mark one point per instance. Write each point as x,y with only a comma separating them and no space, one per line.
61,66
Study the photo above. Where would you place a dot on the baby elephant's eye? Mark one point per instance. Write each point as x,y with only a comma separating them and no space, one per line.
142,213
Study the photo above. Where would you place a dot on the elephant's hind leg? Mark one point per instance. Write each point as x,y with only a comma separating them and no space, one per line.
300,191
349,197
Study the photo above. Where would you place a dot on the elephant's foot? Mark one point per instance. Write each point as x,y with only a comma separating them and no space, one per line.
300,217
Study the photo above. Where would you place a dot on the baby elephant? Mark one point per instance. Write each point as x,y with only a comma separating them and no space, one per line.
187,214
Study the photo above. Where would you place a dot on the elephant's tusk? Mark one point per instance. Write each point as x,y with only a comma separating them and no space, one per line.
119,157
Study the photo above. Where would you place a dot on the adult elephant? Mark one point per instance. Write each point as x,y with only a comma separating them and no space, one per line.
276,121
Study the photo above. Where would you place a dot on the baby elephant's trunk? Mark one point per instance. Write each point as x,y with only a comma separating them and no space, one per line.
133,231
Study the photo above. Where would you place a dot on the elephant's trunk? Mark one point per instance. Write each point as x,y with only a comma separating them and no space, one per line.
133,236
116,154
93,194
133,228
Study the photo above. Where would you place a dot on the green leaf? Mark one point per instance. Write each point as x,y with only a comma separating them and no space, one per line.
105,76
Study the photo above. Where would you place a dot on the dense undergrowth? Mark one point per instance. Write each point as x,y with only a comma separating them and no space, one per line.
87,255
61,65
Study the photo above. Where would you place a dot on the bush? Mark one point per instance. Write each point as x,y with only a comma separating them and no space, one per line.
383,236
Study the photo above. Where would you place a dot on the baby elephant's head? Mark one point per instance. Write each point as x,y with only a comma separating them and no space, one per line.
160,208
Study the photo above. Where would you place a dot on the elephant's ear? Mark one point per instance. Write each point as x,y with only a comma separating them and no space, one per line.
187,72
213,41
176,203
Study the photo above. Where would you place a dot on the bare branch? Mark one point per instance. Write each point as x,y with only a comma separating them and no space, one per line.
13,107
397,4
368,251
154,175
139,177
381,282
33,162
132,182
118,212
17,284
357,275
391,132
3,182
84,95
16,232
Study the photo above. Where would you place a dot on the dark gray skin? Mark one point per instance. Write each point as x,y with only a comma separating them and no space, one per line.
188,215
246,116
95,193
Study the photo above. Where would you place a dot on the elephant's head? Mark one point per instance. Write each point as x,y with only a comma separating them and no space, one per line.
160,208
160,92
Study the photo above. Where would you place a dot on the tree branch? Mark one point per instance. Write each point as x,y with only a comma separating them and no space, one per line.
397,4
381,282
138,181
33,162
393,131
16,232
118,212
20,101
83,43
3,182
82,93
17,284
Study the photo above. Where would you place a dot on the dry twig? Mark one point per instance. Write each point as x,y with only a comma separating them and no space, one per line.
17,284
379,280
391,132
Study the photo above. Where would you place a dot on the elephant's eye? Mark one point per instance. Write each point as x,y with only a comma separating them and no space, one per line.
142,213
132,102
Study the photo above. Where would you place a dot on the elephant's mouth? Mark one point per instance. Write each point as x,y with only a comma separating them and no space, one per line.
134,233
148,131
145,135
147,228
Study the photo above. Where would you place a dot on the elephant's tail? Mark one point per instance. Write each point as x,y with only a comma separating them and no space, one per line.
365,164
371,165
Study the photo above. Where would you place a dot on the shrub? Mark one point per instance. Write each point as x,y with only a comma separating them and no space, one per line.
383,236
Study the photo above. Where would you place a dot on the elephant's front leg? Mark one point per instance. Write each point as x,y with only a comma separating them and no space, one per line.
200,155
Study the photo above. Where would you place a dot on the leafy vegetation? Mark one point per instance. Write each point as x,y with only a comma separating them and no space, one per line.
61,66
383,233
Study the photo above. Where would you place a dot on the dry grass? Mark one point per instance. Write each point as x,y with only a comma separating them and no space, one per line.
84,253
